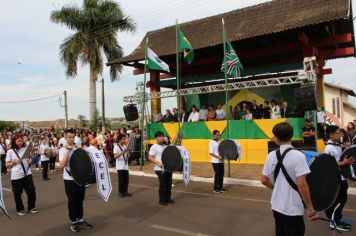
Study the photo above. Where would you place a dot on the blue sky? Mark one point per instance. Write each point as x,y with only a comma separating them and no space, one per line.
30,66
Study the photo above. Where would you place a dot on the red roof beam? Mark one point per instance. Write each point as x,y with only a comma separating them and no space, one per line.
339,52
334,40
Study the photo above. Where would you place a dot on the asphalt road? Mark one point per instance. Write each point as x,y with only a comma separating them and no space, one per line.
197,211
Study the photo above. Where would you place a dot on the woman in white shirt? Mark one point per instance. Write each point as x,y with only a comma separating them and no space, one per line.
275,111
220,114
21,175
121,154
44,159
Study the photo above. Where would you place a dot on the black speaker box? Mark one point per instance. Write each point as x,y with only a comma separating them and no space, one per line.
131,112
305,98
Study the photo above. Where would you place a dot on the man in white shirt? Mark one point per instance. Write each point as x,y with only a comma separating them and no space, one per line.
203,113
320,120
220,114
121,154
194,115
334,148
164,177
287,205
217,162
75,193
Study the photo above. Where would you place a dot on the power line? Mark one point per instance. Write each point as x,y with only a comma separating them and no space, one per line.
31,100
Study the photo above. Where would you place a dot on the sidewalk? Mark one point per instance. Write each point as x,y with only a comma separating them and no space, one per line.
242,174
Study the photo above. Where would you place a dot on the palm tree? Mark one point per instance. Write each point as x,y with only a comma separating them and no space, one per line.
96,24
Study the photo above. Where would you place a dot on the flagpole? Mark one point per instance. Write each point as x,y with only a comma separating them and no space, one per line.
143,102
226,95
177,74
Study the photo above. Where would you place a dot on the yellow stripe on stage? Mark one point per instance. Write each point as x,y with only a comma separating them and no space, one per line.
172,129
218,125
266,125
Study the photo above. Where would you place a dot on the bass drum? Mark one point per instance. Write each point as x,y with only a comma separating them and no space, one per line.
82,168
349,171
323,181
230,149
172,159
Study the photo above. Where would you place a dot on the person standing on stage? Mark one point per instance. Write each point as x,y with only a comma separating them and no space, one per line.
320,121
334,148
287,205
217,162
75,193
21,175
164,177
121,154
44,159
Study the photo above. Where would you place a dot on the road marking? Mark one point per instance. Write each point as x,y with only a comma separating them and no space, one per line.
178,231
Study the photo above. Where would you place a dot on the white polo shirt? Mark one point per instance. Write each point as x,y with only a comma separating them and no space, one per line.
320,117
335,150
17,171
214,148
220,114
156,151
193,117
42,148
61,153
122,161
285,199
77,141
2,149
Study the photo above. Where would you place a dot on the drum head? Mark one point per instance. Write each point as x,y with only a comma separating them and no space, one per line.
323,181
171,159
81,167
228,149
349,171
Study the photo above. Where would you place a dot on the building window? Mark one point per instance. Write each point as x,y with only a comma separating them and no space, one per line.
336,107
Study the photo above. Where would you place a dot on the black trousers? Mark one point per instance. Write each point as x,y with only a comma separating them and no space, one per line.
75,195
321,131
288,225
52,163
3,162
123,176
18,185
219,176
165,185
44,165
335,211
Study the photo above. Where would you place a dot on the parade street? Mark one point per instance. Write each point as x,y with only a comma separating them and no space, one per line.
197,211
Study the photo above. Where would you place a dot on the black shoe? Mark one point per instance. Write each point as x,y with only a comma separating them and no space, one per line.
75,227
346,225
122,194
163,203
34,211
170,201
85,225
128,194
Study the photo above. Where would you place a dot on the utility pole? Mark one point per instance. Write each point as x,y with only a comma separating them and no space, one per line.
65,109
103,105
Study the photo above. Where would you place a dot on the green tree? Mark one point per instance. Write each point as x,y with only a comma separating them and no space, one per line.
7,126
95,25
96,120
83,121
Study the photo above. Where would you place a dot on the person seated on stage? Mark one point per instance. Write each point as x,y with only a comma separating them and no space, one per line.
287,205
175,115
237,112
75,193
211,113
164,177
203,113
168,117
248,115
21,175
308,133
255,110
220,114
276,110
158,117
285,111
334,148
217,162
183,115
266,111
121,154
194,115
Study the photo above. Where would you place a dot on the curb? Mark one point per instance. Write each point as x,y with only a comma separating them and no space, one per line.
231,181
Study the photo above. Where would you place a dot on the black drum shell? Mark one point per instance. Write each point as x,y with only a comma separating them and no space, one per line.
82,168
346,169
172,159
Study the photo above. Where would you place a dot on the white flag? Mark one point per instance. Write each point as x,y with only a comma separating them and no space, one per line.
103,181
186,164
155,63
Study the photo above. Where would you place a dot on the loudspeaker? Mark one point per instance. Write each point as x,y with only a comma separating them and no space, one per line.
305,98
131,113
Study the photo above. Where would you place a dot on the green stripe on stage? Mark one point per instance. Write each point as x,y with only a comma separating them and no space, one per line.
244,129
153,128
298,124
195,130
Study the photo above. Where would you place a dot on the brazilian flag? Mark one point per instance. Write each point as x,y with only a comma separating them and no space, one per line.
187,48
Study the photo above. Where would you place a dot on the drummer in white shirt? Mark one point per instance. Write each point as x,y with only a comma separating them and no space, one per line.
121,154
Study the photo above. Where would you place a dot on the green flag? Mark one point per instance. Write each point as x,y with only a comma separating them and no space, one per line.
155,63
187,48
232,62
